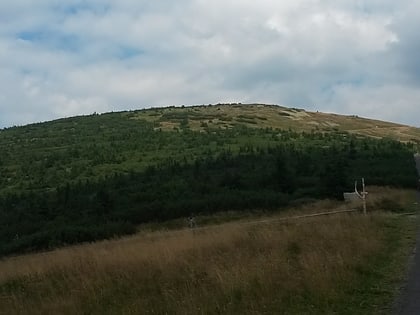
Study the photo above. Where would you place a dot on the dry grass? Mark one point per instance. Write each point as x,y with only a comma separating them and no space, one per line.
315,265
268,116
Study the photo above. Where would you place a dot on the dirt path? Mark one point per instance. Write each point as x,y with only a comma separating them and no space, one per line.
409,303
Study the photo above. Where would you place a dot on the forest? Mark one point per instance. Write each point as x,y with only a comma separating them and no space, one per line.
100,176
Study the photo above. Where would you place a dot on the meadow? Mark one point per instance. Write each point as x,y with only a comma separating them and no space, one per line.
256,264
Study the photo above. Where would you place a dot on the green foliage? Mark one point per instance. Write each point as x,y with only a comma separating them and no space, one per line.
87,178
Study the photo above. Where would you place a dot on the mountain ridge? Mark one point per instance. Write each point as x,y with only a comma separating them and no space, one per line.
201,117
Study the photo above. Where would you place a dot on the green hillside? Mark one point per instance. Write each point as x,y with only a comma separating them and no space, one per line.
91,177
42,156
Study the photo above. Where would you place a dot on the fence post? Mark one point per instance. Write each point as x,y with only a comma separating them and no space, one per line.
362,195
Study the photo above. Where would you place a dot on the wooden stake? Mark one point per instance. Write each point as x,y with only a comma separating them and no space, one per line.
362,195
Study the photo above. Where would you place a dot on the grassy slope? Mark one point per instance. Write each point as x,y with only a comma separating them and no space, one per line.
345,264
272,116
44,156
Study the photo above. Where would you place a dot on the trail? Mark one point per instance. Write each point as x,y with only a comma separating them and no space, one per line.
409,303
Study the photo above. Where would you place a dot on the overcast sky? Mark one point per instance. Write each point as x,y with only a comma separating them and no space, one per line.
64,58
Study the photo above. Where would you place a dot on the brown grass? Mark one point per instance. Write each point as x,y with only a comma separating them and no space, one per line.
269,116
315,265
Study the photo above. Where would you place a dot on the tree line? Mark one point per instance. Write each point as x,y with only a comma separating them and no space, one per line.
248,175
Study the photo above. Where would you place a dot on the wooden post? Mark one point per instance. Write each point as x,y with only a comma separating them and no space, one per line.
362,195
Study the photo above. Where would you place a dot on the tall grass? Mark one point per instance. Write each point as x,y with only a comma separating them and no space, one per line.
322,265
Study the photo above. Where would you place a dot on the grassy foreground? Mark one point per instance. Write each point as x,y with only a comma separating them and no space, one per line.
346,264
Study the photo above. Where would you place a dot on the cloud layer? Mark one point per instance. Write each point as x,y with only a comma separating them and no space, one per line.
350,57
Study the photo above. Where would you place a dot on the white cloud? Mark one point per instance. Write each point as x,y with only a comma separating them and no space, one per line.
388,102
60,60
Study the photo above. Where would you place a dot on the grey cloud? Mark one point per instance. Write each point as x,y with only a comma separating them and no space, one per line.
346,57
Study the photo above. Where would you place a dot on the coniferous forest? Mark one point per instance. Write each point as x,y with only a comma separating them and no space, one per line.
94,177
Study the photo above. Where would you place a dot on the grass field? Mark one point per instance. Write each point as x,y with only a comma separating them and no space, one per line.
341,264
273,116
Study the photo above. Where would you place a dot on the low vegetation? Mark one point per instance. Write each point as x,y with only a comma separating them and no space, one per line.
296,166
97,177
91,178
341,264
201,118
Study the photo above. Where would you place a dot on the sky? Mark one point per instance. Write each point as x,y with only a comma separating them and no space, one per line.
66,58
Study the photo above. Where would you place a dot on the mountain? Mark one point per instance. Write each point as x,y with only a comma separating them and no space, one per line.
41,156
91,177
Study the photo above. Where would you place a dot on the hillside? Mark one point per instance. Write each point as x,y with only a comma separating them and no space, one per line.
78,148
272,116
92,177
